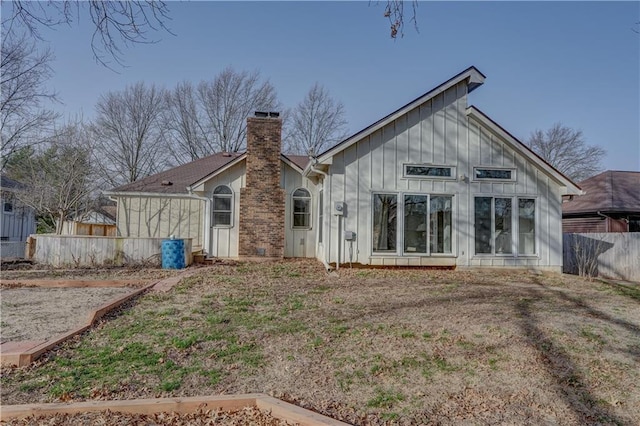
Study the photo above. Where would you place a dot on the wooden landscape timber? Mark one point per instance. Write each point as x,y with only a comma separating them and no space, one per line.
276,407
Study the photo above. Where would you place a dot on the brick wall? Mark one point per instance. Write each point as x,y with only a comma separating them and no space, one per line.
262,199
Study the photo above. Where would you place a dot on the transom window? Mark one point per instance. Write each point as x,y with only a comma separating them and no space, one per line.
495,222
428,171
491,173
420,224
222,202
301,209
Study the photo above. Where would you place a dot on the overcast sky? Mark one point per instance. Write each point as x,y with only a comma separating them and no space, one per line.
577,63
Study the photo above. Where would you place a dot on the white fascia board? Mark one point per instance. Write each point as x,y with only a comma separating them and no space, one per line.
291,163
199,185
569,187
473,77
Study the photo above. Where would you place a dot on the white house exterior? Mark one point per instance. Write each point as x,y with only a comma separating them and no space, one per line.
436,182
18,220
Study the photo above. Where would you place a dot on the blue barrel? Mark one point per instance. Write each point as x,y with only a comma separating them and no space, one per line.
173,254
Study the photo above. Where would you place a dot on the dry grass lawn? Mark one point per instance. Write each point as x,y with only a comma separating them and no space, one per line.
367,347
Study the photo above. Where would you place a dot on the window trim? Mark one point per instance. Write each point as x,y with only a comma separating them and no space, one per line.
435,166
293,209
5,203
513,171
213,205
399,252
515,227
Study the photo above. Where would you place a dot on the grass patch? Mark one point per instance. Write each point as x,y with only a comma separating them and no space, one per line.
385,398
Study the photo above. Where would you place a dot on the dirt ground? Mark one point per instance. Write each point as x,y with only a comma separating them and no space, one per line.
369,347
29,313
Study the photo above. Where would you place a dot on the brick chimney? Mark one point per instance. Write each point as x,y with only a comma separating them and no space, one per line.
262,199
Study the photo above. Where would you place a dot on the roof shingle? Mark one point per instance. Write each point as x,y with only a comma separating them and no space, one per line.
610,191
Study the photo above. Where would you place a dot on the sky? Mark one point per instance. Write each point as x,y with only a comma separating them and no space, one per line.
576,63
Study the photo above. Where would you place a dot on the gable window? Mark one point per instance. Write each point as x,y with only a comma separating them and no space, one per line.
428,171
491,173
7,206
301,209
222,201
495,222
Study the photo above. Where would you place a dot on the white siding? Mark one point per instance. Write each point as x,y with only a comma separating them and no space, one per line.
223,240
298,242
441,133
161,217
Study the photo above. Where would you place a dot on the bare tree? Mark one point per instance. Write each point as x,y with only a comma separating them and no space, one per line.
23,74
59,175
128,133
184,122
566,150
117,23
394,12
316,123
227,101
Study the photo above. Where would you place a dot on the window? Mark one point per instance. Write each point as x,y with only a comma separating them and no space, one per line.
440,224
495,222
320,214
422,171
7,206
222,201
526,226
493,174
426,225
385,222
301,209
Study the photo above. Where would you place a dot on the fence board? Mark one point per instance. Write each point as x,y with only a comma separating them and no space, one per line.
611,255
79,250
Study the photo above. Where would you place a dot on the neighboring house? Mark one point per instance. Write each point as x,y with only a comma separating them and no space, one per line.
436,182
18,220
611,203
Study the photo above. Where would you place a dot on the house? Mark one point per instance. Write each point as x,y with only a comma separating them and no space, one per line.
611,203
18,220
436,182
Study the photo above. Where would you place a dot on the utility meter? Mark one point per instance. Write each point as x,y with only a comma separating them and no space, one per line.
339,208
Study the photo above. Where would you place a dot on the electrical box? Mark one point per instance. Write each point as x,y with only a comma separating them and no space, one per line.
339,208
349,235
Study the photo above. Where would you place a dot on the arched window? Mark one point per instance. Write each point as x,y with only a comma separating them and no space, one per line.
301,209
222,202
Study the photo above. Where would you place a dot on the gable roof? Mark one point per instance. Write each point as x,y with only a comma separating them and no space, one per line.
521,148
471,75
8,184
609,192
180,179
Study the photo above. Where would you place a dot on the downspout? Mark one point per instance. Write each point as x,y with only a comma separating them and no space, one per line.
313,168
606,217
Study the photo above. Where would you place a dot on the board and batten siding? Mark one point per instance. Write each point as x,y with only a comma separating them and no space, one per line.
223,241
161,217
438,132
298,242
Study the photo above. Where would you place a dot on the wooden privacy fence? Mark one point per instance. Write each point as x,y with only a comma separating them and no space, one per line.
79,250
610,255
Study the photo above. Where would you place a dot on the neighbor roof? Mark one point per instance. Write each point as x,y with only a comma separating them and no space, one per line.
179,179
609,192
7,183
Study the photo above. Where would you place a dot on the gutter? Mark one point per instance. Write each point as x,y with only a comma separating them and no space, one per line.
313,168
